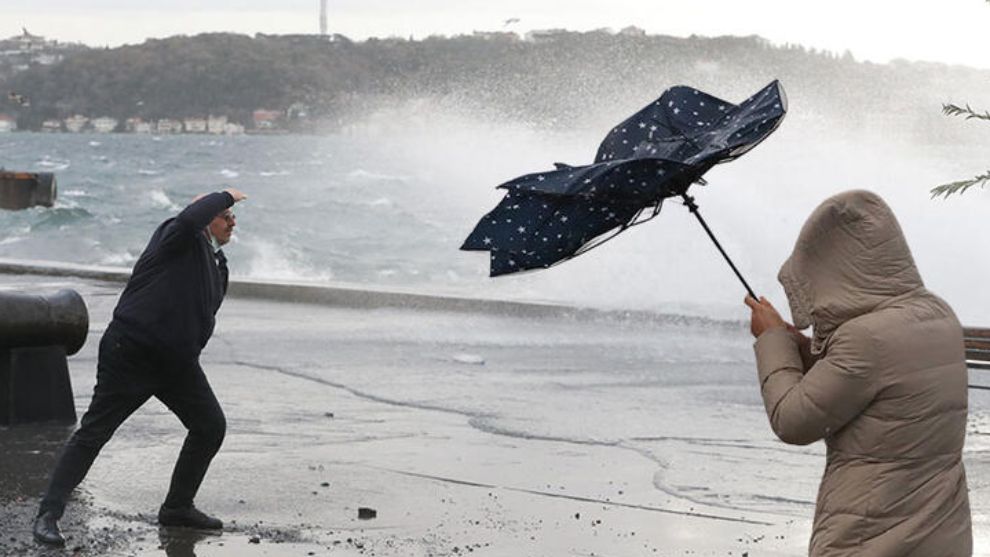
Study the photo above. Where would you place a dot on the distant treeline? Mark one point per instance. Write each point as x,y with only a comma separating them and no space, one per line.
551,79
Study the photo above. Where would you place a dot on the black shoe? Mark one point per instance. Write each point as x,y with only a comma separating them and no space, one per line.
46,529
189,517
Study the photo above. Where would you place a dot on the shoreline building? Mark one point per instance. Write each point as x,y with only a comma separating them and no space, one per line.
195,125
76,123
7,123
20,52
216,124
167,125
104,124
266,120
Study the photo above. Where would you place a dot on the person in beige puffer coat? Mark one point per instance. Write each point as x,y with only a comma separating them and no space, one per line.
883,381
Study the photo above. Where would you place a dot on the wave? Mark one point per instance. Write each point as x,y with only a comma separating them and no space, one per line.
381,202
58,217
53,164
117,260
161,199
271,261
228,173
361,174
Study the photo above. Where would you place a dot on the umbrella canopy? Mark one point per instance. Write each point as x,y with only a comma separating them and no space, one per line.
548,217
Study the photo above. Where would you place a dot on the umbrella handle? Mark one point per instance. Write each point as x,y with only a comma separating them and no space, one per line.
693,207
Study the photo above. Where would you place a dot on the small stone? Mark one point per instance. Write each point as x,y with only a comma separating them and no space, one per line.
254,539
328,414
367,513
577,516
325,484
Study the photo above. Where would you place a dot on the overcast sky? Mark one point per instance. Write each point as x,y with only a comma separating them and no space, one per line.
952,31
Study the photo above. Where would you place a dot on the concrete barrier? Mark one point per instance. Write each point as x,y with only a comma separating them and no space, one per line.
363,297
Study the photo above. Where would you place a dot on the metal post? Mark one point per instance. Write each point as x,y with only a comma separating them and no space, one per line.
693,207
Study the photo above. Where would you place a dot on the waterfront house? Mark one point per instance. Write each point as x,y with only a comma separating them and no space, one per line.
7,123
76,123
216,124
167,125
195,125
104,124
266,119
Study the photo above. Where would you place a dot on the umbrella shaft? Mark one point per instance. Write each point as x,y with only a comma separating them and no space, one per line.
693,207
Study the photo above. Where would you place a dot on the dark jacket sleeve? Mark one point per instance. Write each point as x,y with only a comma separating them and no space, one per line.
193,219
805,406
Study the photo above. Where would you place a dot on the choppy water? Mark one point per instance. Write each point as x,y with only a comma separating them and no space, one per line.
388,202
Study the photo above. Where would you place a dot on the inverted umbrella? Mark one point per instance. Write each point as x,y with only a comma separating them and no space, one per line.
549,217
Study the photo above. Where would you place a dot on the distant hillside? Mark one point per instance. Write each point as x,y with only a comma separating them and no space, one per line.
548,80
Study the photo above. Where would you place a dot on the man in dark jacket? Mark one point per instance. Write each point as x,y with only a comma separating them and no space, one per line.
151,348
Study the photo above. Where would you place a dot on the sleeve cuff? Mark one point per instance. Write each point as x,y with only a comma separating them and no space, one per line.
777,349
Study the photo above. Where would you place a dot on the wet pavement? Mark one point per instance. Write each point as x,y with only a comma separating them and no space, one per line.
467,434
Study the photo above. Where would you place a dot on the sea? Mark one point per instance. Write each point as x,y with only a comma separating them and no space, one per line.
386,203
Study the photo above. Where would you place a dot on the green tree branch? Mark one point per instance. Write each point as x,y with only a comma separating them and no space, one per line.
945,190
969,113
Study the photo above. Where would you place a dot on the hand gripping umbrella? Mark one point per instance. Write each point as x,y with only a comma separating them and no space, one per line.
549,217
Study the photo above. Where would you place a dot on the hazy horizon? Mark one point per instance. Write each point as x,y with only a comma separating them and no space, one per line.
953,30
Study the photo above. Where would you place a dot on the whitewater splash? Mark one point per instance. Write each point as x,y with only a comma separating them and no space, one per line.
161,200
390,203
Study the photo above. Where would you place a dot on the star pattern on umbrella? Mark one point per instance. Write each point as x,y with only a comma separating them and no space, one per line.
656,153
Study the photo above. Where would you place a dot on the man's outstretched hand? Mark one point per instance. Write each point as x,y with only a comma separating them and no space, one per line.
765,317
236,194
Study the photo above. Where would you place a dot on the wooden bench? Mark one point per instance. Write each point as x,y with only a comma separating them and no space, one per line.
977,347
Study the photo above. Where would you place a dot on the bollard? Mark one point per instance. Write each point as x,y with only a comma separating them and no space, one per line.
36,335
21,190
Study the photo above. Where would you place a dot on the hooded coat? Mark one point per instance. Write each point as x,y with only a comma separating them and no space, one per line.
884,383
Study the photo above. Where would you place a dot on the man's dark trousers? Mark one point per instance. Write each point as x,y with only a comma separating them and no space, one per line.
128,374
